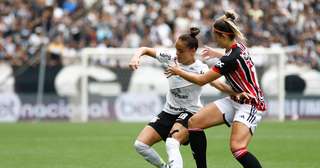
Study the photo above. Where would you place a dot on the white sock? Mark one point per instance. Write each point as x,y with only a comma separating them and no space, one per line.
175,158
149,154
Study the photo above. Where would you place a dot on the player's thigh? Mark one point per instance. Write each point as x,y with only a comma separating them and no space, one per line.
208,116
240,136
245,122
149,136
179,132
248,115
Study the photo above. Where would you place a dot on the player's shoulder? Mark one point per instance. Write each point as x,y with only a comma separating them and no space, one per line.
199,65
232,54
241,46
165,56
241,51
165,53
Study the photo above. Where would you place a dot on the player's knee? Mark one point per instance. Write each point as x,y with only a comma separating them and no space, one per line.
140,146
236,145
175,134
180,135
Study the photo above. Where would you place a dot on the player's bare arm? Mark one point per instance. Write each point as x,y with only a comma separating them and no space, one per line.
135,60
223,87
199,79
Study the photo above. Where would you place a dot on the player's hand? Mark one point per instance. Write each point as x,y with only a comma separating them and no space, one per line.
209,52
134,62
172,70
243,96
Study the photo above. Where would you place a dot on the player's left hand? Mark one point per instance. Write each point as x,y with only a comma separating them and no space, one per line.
243,96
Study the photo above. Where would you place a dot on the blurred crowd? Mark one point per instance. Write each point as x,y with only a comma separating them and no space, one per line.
62,27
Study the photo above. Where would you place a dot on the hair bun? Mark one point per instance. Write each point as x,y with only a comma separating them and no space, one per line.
194,31
230,15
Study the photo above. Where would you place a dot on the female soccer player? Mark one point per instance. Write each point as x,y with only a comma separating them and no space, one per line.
238,69
182,101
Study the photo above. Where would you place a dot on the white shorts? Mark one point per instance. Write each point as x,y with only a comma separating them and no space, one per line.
244,113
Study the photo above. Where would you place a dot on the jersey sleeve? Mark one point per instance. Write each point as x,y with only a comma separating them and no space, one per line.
164,57
227,63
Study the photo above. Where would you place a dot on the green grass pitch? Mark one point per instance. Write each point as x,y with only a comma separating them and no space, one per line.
109,145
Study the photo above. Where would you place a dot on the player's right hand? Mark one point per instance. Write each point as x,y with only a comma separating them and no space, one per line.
173,69
134,63
209,52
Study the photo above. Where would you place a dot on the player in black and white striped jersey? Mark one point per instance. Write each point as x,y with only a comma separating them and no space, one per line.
182,101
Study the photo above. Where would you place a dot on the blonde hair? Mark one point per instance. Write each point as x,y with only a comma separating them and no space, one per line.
226,24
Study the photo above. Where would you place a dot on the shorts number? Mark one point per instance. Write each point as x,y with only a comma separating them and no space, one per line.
183,116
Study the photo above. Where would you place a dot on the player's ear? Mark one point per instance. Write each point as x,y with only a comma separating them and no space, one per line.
192,49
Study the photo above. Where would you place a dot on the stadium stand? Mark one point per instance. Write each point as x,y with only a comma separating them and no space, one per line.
127,24
67,26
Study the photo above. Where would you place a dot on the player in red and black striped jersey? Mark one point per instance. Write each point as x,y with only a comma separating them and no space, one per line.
238,69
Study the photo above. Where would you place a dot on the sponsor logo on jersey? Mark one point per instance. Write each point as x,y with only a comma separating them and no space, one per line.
219,64
177,93
177,108
165,56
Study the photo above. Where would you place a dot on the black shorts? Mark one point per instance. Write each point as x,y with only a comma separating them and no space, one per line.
164,122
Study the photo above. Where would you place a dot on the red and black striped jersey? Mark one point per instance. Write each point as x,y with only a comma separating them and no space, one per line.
238,68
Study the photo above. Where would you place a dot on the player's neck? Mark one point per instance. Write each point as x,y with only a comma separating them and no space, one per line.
189,62
230,44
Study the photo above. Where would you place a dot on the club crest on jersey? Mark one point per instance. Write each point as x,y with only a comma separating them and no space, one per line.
219,64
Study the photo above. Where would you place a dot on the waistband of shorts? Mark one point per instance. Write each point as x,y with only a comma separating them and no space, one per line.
259,105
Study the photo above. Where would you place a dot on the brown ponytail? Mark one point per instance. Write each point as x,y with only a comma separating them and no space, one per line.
194,31
191,39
